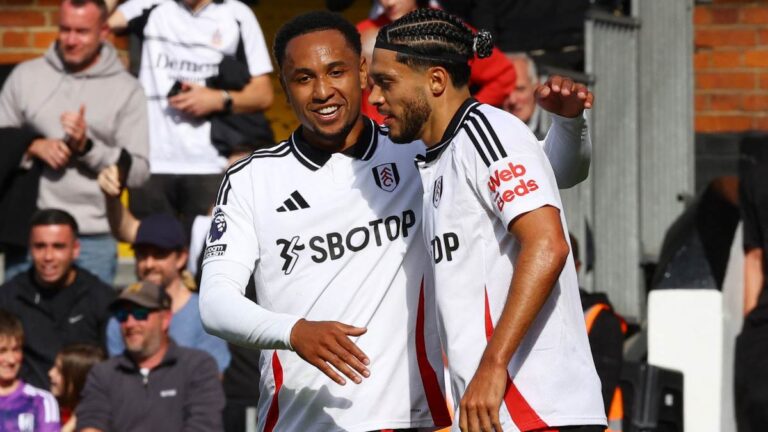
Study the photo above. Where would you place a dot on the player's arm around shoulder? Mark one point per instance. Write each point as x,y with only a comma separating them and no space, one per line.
567,145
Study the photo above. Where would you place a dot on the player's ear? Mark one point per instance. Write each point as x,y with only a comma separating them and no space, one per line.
438,80
363,73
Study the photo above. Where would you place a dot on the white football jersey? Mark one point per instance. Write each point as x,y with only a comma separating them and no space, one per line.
179,45
337,236
488,170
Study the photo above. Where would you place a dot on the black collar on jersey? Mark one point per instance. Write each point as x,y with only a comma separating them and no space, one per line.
314,158
453,127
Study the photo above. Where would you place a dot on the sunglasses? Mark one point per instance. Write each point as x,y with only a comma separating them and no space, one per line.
138,313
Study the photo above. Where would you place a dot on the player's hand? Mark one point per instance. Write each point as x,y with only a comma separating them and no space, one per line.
53,152
326,343
479,408
564,97
109,181
75,128
197,100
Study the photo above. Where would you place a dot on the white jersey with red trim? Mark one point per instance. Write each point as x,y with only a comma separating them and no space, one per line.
488,170
337,237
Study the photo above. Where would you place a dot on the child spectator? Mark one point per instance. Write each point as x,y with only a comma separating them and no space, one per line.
23,408
68,375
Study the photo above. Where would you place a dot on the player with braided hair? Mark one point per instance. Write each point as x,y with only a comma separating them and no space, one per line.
506,289
491,78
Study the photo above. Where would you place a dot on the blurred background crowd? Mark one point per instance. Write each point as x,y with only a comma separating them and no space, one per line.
113,152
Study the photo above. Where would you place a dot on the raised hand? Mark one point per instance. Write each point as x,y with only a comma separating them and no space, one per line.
564,97
326,343
75,128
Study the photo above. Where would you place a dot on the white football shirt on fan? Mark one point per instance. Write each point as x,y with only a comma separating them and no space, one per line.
179,45
487,170
334,236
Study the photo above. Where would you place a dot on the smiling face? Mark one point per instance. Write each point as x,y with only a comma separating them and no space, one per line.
81,33
323,79
144,337
159,266
10,359
399,93
53,248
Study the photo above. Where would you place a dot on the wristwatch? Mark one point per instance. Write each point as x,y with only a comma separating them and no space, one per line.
227,101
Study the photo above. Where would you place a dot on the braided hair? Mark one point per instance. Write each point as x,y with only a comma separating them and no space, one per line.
433,37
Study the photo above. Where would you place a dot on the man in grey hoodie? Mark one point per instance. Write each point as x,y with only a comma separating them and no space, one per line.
89,113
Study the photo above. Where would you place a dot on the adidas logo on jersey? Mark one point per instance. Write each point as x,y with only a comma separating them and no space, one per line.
295,202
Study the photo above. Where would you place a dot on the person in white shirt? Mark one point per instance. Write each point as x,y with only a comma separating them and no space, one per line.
329,225
507,296
183,45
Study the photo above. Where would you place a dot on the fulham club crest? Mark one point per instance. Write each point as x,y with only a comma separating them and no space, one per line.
437,191
386,176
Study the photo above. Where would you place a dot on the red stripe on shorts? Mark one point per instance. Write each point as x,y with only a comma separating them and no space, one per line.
435,398
274,409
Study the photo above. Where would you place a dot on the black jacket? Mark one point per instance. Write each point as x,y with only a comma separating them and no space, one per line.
18,187
55,318
183,393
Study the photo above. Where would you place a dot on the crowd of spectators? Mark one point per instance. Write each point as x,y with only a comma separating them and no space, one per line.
80,131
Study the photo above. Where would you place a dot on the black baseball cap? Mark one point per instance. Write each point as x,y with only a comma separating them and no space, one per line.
161,230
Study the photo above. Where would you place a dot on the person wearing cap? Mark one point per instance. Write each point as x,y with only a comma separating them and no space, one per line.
161,255
155,385
57,302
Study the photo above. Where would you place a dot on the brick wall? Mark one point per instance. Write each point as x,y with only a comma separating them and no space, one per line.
27,28
731,66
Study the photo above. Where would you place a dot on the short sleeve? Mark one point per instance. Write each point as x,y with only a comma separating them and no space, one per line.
256,53
508,169
232,236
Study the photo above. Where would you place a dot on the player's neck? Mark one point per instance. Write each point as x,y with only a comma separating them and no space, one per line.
9,386
338,144
444,108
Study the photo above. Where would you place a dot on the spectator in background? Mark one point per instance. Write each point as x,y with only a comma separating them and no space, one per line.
605,329
68,378
58,302
185,45
751,361
491,78
161,257
23,408
61,96
521,101
154,385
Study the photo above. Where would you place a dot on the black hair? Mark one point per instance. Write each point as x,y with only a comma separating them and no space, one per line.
100,4
436,38
54,217
314,22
